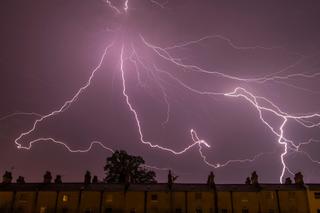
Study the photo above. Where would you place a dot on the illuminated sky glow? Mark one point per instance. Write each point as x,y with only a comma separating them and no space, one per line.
260,96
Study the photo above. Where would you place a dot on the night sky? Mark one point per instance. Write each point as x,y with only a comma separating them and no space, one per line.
49,49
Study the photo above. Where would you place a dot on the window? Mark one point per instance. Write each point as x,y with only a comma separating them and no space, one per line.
317,195
291,195
293,209
23,197
43,209
198,210
108,210
224,210
154,210
132,210
65,198
198,196
245,210
109,198
154,197
178,210
21,209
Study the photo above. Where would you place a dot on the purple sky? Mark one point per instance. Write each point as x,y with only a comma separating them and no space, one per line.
49,49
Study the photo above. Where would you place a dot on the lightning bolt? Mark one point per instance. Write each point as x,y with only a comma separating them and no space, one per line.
64,107
20,114
125,7
127,99
114,8
304,120
262,105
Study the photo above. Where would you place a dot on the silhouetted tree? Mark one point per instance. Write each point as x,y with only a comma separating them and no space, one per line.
58,179
298,178
7,177
288,181
95,179
21,180
124,168
87,177
47,177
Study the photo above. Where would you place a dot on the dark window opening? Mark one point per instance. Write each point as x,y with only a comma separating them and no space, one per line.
23,197
245,210
178,210
317,195
20,210
108,210
198,210
154,210
154,197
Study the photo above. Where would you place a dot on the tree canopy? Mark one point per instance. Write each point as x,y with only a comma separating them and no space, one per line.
124,168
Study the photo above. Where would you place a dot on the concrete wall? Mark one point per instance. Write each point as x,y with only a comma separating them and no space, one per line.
90,201
134,202
293,201
314,201
68,201
224,201
179,201
6,200
268,201
46,202
24,201
114,201
264,201
159,202
246,200
203,201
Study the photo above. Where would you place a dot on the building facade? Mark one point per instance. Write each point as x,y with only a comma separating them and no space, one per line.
159,198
